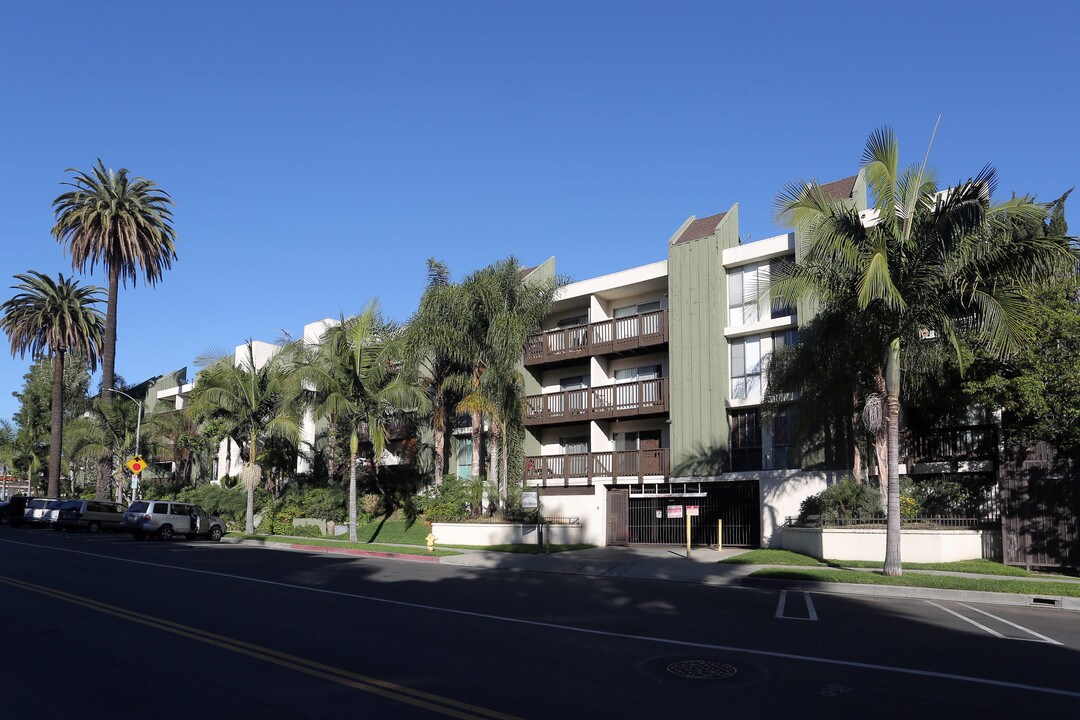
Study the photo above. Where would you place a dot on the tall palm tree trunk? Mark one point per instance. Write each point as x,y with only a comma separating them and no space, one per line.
438,422
493,461
856,448
251,476
56,434
892,526
477,434
354,443
108,352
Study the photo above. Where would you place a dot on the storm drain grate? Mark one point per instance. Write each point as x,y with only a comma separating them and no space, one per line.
701,669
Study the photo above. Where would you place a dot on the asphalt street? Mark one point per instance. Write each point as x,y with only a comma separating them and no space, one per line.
105,626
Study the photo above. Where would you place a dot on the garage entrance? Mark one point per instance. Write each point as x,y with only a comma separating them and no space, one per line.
736,503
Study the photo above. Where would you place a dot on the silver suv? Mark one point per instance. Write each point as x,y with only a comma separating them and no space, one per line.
165,519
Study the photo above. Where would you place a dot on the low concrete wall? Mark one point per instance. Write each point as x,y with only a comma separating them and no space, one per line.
502,534
925,546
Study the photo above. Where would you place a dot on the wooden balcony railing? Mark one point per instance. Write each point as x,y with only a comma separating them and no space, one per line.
599,466
598,338
642,397
952,444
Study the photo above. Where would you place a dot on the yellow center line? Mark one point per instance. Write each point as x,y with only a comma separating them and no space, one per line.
437,703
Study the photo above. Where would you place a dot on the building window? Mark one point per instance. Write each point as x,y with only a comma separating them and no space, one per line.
745,284
629,322
576,450
464,458
780,309
783,431
631,390
784,339
746,369
745,440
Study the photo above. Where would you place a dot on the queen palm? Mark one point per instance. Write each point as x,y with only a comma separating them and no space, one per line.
125,224
54,317
356,379
953,266
261,399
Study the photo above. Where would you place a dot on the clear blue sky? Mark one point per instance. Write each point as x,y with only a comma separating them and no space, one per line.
319,152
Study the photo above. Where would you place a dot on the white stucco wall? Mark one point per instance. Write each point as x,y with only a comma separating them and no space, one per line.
924,546
781,492
502,534
587,504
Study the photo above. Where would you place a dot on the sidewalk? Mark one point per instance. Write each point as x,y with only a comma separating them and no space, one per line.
667,563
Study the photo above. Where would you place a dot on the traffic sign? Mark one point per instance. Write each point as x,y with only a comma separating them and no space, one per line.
136,464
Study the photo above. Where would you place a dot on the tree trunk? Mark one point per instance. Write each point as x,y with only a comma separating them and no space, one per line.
493,461
892,526
102,480
438,422
252,476
353,447
56,434
856,449
505,496
108,351
477,434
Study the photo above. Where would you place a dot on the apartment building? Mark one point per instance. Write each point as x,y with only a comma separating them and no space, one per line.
644,394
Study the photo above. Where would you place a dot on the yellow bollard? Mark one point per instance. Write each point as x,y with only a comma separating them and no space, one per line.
687,534
719,534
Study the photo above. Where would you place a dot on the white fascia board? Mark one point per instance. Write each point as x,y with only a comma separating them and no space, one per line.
611,281
787,322
760,250
174,391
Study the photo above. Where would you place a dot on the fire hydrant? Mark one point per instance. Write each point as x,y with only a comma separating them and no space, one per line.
431,542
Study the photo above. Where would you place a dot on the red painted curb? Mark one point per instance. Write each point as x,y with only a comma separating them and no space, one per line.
368,553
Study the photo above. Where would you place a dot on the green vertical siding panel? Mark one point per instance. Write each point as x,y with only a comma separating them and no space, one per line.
699,366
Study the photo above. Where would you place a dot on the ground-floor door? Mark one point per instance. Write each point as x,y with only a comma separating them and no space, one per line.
658,515
618,503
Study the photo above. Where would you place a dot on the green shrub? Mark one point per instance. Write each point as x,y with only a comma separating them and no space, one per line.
325,503
371,505
304,531
841,500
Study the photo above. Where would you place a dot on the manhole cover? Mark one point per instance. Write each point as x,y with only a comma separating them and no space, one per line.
701,669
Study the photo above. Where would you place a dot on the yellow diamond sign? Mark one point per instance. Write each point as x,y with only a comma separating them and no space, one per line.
136,464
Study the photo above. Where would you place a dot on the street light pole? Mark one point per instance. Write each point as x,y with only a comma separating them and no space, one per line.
138,427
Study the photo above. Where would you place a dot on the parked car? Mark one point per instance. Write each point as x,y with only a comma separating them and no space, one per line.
12,511
52,513
166,519
90,515
35,510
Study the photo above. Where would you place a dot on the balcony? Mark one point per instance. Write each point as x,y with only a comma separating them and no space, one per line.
619,335
957,449
589,468
643,397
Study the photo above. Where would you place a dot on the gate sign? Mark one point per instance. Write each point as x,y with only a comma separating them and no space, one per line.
529,500
692,510
136,464
674,511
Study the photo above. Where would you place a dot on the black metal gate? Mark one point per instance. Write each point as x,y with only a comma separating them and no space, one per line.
618,504
1040,508
736,503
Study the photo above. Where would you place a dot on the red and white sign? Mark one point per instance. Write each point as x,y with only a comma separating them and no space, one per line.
674,511
692,510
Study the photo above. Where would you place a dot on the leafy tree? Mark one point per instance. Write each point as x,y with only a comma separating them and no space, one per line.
950,266
54,317
261,401
357,377
123,223
106,435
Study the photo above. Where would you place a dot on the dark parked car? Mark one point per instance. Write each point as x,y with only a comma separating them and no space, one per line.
11,512
90,515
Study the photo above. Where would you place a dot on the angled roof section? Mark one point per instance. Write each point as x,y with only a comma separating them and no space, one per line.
698,229
840,189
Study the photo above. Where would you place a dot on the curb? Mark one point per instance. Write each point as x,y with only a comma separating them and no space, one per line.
1056,602
330,550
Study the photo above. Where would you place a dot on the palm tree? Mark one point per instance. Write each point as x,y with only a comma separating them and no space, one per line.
358,380
54,317
434,345
261,400
951,265
124,223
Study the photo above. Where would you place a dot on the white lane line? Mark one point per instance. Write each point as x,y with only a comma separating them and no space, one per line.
966,619
780,605
599,633
810,607
1009,622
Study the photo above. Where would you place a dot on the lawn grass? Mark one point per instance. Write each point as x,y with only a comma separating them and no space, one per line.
523,549
977,567
773,557
323,542
398,531
943,582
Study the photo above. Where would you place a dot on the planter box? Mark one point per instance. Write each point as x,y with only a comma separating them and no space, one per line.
923,546
502,534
